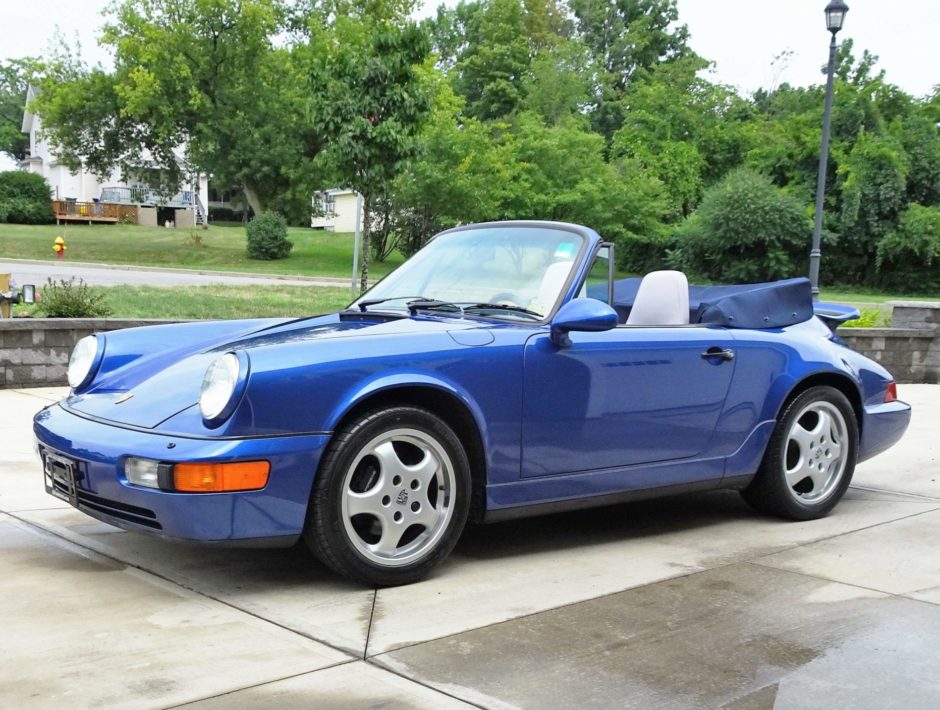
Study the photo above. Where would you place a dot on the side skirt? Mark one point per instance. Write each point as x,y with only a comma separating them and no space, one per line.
526,511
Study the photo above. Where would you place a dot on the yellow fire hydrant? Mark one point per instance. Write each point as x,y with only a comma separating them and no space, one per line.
58,246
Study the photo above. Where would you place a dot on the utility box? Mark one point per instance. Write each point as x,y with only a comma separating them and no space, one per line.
6,304
10,295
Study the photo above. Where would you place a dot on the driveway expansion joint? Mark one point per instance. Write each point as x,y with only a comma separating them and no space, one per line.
41,530
854,585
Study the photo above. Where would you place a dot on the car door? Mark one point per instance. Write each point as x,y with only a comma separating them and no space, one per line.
631,395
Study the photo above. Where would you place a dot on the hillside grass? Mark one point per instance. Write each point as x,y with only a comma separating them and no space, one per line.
219,248
215,302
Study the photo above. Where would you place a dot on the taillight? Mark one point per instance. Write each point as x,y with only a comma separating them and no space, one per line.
891,394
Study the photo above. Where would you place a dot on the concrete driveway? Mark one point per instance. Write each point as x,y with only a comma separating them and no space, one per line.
693,601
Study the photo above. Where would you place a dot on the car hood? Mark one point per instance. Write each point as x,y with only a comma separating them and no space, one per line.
150,391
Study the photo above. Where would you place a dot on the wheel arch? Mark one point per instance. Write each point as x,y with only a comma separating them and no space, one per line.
840,382
451,409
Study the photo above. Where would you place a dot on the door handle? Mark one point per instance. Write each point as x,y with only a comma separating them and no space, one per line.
718,353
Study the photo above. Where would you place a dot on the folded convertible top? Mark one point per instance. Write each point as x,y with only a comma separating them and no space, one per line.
765,305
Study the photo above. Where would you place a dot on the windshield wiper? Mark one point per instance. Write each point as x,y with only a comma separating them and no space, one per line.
432,304
363,305
416,302
503,307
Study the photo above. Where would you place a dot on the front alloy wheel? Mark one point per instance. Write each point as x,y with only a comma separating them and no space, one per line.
391,497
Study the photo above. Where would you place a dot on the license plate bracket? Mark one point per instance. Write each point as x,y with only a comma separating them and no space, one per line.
59,477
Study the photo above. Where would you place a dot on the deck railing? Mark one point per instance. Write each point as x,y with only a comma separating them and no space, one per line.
146,196
73,211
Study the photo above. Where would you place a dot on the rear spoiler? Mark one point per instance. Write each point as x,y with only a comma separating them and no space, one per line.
835,314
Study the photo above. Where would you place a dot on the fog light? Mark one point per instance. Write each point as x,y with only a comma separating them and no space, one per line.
142,472
218,477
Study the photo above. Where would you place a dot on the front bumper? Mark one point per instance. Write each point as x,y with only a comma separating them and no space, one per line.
98,450
883,425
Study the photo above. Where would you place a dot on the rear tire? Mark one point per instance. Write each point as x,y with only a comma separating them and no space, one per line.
391,497
810,459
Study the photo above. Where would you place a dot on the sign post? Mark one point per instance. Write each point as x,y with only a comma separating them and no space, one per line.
356,245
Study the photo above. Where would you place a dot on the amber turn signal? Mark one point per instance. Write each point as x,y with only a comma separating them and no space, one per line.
219,477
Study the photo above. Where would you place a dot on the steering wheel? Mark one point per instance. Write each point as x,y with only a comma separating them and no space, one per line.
507,298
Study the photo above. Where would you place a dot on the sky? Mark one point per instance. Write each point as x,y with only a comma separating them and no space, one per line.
742,37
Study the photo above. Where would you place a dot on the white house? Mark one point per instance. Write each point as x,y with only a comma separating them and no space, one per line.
335,210
84,186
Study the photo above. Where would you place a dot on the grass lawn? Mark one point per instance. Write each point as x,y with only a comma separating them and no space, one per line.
217,302
219,248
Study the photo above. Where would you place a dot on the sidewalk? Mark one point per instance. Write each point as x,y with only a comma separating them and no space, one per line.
693,601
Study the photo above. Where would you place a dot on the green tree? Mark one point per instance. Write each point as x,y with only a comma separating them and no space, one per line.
873,186
746,230
627,39
13,86
909,257
199,74
372,102
683,130
461,172
491,68
558,85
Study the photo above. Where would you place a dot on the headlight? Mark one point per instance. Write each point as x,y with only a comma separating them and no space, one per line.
218,386
83,359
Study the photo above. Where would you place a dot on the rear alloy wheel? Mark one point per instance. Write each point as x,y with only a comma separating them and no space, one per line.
391,497
810,459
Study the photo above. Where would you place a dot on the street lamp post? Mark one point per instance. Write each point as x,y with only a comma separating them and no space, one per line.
835,16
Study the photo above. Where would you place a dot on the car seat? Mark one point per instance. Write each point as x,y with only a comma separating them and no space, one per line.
662,299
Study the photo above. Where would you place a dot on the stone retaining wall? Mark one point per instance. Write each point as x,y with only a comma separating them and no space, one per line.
910,349
34,352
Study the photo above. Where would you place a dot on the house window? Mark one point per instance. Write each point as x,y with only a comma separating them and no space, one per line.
325,204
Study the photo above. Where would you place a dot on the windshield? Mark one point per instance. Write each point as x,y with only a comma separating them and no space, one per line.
516,268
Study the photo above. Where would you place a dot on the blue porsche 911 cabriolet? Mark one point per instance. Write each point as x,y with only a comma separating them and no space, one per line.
500,372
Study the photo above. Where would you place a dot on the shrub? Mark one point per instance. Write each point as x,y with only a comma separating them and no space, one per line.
746,229
225,214
642,254
25,198
908,259
870,318
267,237
67,299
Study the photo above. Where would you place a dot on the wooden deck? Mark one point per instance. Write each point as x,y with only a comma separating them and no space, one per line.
90,212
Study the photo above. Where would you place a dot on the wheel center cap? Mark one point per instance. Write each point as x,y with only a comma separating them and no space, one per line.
402,498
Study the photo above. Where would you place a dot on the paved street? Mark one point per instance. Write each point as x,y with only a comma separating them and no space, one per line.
37,272
687,602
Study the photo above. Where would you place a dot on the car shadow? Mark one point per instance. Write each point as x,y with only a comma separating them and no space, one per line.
594,526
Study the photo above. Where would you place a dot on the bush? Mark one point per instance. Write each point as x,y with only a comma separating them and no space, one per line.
642,254
225,214
746,230
908,259
25,198
66,299
267,237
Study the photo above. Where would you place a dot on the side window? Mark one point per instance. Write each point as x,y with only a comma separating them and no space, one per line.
595,286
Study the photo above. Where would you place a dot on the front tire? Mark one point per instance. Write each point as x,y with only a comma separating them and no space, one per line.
810,459
391,497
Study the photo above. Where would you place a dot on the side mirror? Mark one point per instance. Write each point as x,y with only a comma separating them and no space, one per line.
581,314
